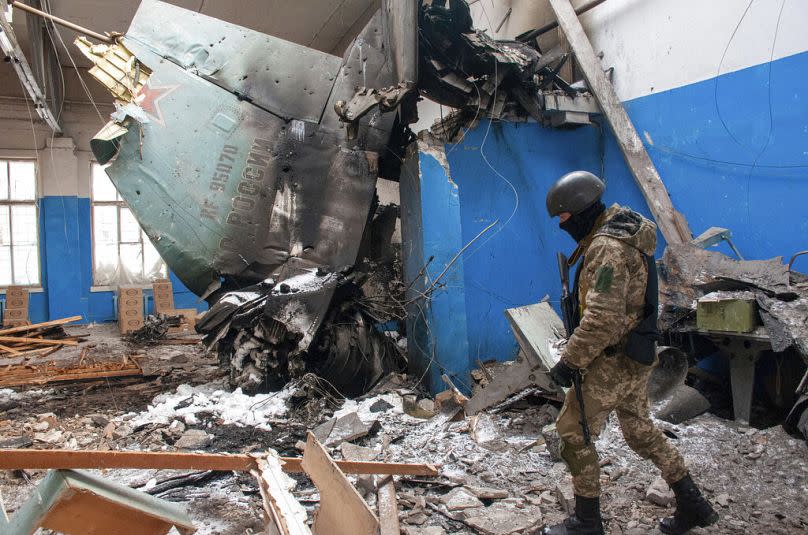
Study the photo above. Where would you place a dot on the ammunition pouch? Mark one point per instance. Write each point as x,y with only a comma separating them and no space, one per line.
642,339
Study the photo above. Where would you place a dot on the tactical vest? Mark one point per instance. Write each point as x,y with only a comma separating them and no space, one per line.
641,340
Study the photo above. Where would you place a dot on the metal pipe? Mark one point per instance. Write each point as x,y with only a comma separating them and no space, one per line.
532,34
63,22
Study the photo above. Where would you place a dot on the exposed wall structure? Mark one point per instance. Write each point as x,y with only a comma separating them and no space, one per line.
65,223
720,96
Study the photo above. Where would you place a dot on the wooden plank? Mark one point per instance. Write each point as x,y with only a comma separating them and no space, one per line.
22,459
9,350
26,352
285,515
39,341
28,459
36,376
342,510
671,223
294,464
51,323
388,507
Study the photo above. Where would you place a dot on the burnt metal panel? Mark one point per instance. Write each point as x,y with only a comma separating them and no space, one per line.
400,30
285,78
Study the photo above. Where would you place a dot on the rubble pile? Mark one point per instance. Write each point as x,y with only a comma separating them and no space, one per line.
155,328
499,473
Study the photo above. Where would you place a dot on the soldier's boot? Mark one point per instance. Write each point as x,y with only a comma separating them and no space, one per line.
692,509
585,521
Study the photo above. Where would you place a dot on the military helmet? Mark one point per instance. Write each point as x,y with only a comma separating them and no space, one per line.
574,192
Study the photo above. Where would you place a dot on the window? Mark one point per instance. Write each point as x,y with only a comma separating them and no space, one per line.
19,224
122,253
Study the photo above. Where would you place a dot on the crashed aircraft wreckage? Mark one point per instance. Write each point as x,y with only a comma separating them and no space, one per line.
251,164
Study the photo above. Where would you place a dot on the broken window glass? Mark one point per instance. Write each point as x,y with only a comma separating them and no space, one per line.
122,253
3,181
5,225
22,179
130,229
5,265
102,188
19,223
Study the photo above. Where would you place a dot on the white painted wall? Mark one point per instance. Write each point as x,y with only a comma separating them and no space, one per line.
63,160
656,45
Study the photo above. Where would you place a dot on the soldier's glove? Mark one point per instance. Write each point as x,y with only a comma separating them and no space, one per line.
562,374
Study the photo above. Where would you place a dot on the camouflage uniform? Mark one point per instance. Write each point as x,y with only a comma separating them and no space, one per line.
611,292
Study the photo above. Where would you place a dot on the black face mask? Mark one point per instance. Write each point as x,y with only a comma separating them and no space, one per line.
580,225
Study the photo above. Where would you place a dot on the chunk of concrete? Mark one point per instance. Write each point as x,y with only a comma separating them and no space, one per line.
193,439
460,498
659,493
565,495
344,429
352,452
487,493
504,519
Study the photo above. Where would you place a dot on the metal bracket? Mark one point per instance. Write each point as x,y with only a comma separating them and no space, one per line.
715,235
11,47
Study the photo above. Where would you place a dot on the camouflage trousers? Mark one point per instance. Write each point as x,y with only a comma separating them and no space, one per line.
613,383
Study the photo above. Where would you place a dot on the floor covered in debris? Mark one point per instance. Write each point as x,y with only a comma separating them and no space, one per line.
497,475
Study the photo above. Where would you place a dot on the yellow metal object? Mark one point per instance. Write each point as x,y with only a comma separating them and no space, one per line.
116,68
729,315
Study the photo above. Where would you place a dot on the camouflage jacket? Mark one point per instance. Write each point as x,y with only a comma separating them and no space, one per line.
611,284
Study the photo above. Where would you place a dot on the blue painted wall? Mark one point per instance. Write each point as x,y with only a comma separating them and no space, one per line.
426,190
732,151
65,240
514,263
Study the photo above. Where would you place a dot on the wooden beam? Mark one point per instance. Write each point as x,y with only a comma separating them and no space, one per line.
294,464
342,510
52,323
25,374
671,223
28,459
283,512
388,507
40,341
10,350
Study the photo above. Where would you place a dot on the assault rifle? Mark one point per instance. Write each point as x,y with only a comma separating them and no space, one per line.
568,316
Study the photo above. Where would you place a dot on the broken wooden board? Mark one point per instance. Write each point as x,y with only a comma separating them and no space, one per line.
342,510
284,514
28,459
671,223
29,374
79,503
39,341
388,507
534,327
34,326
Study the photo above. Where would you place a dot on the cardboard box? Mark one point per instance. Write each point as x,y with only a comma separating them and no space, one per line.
130,309
188,321
163,296
16,309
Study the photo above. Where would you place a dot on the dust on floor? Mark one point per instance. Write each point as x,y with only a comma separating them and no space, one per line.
497,475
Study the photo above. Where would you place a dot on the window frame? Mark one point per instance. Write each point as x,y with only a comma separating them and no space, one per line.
7,161
119,203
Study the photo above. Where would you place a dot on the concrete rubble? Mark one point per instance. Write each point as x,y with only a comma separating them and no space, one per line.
496,473
304,348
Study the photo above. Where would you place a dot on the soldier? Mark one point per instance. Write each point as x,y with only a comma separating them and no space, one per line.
613,347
